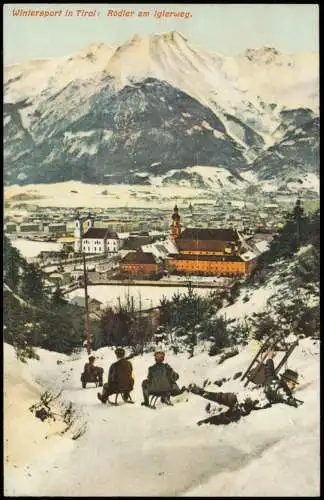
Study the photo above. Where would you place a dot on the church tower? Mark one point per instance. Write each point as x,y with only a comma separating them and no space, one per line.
78,233
175,225
88,223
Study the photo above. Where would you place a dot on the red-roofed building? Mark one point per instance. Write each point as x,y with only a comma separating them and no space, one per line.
140,265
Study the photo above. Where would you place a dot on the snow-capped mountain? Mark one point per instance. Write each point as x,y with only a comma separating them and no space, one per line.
296,153
106,112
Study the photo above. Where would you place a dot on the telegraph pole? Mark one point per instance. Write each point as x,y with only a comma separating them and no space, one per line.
86,319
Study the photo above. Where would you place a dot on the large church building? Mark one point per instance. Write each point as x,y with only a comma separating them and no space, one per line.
209,252
92,240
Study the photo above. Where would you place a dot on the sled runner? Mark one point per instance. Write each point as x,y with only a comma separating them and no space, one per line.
126,398
256,370
154,397
286,356
256,373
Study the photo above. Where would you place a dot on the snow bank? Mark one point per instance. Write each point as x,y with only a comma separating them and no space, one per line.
163,452
27,440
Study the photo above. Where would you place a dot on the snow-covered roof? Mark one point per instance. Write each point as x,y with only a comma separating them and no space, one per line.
248,255
262,246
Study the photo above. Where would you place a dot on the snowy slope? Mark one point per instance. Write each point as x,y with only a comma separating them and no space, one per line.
210,177
270,452
259,74
277,290
38,76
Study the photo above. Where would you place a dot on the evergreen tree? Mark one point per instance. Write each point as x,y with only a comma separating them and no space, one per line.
117,327
61,329
32,285
17,326
12,262
57,299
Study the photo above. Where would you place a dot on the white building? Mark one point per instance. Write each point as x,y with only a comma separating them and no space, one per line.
98,240
90,239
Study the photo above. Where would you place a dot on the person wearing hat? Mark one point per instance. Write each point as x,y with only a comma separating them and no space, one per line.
120,379
161,381
290,378
279,390
92,373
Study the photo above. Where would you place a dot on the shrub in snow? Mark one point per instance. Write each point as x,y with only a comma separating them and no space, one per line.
228,354
26,352
180,332
214,350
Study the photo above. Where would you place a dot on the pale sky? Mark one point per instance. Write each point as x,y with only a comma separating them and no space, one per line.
228,29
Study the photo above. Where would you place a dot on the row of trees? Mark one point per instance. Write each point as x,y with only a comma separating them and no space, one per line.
299,230
293,313
34,316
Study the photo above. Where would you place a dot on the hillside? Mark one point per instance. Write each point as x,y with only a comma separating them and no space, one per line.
293,156
164,451
271,452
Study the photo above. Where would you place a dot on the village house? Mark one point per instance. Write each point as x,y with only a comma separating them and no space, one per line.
60,278
29,228
57,228
140,265
94,306
11,228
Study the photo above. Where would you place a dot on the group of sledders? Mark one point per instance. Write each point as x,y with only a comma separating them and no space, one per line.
161,384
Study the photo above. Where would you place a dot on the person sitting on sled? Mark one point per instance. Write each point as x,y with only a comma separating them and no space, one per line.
161,381
120,379
92,373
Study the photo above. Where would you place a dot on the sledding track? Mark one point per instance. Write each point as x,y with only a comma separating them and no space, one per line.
130,451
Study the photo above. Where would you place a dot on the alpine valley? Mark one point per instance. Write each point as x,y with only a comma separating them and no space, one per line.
156,108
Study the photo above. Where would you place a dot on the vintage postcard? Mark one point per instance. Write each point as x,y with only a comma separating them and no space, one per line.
161,250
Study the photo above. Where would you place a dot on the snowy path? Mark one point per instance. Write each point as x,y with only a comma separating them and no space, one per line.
131,450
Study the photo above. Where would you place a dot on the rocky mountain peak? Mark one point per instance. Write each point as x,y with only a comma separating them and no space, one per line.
153,100
264,54
93,51
172,36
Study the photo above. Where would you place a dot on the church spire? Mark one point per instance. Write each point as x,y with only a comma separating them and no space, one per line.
175,225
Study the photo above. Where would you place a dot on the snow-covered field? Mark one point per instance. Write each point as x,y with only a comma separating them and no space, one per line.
29,249
149,296
132,451
118,195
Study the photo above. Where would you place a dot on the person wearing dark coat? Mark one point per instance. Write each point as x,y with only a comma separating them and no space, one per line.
92,373
120,379
279,390
276,390
161,381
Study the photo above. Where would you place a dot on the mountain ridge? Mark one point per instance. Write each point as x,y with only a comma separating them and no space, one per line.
142,80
